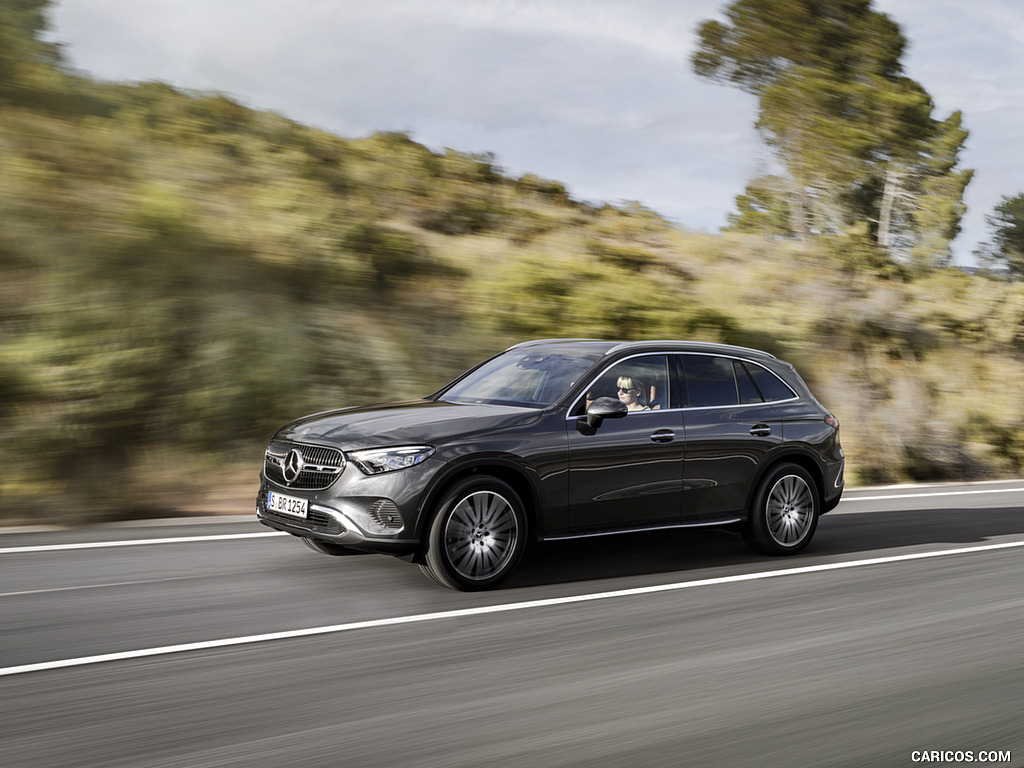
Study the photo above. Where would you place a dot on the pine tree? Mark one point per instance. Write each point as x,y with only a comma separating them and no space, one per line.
1006,248
855,135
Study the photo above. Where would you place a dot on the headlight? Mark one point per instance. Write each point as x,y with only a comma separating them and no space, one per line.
378,460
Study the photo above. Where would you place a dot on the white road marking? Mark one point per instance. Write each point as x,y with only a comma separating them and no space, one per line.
503,608
98,586
847,499
139,542
888,497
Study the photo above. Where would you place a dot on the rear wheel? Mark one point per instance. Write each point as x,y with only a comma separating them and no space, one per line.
477,537
785,511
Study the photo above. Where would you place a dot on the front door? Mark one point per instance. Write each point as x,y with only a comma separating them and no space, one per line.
628,471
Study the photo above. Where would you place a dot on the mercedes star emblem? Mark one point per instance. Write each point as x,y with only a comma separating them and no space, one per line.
293,465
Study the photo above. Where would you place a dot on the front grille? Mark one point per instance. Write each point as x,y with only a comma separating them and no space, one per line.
302,466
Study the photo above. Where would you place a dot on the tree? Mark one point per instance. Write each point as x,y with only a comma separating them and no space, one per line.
1006,248
769,38
855,135
940,205
26,62
763,208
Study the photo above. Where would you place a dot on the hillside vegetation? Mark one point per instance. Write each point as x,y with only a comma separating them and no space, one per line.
180,274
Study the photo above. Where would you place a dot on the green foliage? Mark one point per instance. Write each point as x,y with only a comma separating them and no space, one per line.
856,252
856,137
626,257
391,255
179,275
763,208
765,39
26,62
1006,247
1001,439
553,191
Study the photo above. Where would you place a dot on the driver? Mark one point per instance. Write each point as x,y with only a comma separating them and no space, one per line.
633,393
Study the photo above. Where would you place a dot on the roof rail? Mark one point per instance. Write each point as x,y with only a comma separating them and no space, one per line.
698,344
535,342
621,345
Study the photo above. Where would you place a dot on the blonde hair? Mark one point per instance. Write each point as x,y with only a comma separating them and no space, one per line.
633,385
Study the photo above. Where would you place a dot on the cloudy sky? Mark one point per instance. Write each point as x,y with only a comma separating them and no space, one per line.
597,94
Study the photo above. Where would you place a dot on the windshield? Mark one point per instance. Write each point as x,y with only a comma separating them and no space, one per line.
525,377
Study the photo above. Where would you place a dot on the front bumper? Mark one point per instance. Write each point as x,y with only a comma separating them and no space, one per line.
351,522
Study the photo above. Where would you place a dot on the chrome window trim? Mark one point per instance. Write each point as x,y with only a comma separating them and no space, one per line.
734,405
593,381
653,353
638,413
740,405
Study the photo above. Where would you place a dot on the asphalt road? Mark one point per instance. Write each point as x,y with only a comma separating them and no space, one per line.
900,630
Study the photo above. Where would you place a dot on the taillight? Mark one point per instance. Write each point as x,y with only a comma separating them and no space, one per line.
832,421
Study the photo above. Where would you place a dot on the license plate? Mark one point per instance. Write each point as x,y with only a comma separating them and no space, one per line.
286,505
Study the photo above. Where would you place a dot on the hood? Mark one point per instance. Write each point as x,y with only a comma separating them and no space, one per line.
413,422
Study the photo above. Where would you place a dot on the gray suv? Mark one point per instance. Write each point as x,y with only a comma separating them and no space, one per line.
560,439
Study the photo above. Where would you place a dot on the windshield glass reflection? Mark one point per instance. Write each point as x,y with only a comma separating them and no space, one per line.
521,377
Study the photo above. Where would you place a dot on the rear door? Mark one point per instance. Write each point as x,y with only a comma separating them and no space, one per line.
729,429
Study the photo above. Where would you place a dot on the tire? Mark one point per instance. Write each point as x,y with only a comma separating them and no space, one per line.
477,537
785,511
330,548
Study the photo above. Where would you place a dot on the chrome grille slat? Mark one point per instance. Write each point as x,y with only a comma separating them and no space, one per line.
321,465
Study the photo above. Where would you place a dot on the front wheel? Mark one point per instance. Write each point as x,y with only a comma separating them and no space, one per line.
784,513
477,537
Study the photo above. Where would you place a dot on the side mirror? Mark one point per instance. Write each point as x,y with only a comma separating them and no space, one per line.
605,408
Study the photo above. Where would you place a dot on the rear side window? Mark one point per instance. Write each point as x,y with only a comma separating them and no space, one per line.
745,385
771,386
710,381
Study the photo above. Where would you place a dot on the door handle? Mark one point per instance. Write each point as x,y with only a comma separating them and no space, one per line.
760,430
663,436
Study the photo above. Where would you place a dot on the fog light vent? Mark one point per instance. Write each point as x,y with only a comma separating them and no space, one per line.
386,514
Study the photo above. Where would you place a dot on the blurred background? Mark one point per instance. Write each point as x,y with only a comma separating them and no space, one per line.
180,273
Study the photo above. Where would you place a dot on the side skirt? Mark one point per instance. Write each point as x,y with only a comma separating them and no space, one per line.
592,533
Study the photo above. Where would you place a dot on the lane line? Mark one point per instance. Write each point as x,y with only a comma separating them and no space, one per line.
889,497
99,586
489,609
847,499
139,542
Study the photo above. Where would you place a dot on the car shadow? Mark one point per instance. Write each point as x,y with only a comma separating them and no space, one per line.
693,549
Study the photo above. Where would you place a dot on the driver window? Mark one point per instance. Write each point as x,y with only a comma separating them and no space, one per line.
642,383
